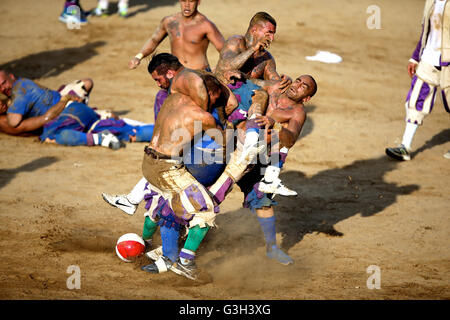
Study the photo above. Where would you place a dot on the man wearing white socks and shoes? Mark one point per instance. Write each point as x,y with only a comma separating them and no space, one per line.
429,68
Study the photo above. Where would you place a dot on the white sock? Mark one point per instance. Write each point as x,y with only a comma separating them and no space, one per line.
408,135
137,193
103,4
96,137
123,4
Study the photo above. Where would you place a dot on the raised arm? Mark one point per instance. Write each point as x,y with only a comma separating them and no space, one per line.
233,56
150,45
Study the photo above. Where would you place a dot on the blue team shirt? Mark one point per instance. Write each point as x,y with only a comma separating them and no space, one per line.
31,100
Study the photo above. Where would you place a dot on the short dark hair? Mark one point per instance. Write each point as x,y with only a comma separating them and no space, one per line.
211,83
315,85
262,16
162,62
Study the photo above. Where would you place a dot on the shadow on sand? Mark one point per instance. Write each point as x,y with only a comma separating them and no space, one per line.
53,62
6,175
325,199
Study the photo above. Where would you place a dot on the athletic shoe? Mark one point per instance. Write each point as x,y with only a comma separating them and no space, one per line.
161,265
277,254
110,140
71,17
99,12
120,201
276,187
447,155
401,153
155,253
188,270
123,12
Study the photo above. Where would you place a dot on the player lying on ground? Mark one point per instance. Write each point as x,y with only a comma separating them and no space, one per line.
61,116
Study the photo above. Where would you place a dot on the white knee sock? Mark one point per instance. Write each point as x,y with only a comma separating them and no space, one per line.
137,194
103,4
408,135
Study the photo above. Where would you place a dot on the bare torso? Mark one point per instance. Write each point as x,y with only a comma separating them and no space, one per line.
188,39
179,120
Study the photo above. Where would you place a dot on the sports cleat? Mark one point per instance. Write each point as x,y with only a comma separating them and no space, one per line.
277,254
110,140
120,201
447,155
155,253
401,153
276,187
188,270
73,16
161,265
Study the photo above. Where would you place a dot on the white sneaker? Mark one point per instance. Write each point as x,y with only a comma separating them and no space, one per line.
155,253
275,187
447,155
110,140
121,202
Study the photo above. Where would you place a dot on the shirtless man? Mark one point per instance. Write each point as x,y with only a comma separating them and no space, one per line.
190,33
175,197
287,115
248,53
167,72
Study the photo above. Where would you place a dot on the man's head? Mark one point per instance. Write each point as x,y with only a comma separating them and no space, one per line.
6,83
162,68
214,88
189,7
262,25
302,89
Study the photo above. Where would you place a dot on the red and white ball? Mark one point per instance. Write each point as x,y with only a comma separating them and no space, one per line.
130,246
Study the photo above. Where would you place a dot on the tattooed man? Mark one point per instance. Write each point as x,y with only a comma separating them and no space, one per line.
248,53
190,33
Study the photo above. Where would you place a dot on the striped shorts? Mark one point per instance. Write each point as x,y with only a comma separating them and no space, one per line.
422,94
187,201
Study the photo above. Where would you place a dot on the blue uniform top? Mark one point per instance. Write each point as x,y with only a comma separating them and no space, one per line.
31,100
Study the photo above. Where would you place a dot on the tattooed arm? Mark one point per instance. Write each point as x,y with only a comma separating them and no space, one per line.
235,54
270,70
150,45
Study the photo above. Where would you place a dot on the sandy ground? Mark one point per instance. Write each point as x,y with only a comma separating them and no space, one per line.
356,207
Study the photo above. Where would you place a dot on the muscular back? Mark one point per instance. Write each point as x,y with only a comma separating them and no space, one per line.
175,126
189,39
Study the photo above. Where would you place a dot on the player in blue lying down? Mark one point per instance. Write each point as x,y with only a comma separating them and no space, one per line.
62,116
